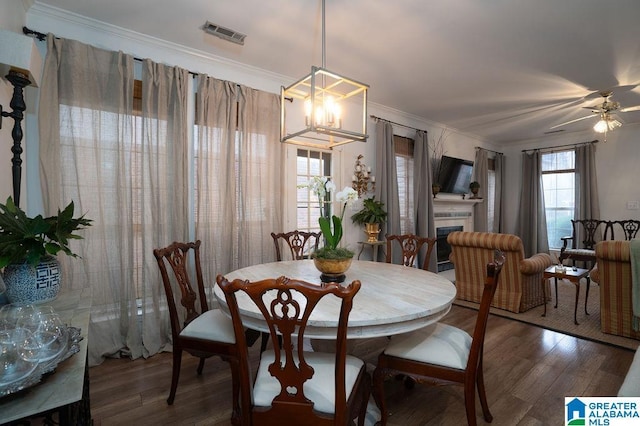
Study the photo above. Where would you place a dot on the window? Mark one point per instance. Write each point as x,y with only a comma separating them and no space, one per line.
558,182
404,169
310,163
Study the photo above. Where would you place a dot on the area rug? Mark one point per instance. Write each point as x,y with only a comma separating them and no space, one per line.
561,318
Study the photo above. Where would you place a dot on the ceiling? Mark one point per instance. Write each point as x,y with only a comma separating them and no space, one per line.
504,70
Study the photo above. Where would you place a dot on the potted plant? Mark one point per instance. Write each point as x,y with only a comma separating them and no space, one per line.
331,259
28,246
371,216
474,187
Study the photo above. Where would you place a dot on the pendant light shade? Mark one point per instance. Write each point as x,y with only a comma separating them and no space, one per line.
323,109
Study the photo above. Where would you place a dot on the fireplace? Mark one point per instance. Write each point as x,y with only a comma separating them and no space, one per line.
450,213
443,248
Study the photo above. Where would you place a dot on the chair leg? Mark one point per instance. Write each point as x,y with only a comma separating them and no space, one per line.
470,400
378,395
236,413
200,366
483,396
175,373
362,415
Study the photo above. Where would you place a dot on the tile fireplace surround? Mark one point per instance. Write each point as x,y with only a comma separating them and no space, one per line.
451,212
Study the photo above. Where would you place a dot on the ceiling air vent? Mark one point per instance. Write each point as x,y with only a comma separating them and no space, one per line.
224,33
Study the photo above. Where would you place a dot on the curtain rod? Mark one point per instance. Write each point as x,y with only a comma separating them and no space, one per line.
490,150
42,36
398,124
553,148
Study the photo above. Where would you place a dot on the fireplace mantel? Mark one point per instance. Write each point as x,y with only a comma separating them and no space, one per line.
454,210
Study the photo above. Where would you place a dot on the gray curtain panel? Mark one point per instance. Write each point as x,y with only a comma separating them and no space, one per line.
481,175
587,204
423,196
499,205
387,179
532,222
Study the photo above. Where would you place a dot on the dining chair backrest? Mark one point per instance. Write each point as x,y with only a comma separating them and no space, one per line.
490,285
176,256
286,305
300,244
410,245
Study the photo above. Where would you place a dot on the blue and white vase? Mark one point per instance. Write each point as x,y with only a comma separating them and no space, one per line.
27,284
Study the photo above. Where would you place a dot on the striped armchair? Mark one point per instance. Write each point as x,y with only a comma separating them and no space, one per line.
520,284
613,273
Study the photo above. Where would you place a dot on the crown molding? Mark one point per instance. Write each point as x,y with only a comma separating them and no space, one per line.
63,23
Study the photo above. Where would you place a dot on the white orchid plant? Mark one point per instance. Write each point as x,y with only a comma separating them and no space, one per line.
321,186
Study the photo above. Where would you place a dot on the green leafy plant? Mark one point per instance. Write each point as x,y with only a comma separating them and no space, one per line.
28,239
474,185
372,212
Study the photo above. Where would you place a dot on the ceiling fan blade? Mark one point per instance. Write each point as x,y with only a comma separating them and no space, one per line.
632,108
572,121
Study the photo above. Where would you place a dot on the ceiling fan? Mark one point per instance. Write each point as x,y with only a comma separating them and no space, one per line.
607,111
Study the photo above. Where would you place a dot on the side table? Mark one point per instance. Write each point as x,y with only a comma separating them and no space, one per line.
574,275
374,248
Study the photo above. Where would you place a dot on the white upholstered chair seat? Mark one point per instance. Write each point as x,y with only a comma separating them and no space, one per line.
211,325
438,344
320,388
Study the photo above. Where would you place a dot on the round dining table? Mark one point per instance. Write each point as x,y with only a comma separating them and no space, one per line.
393,299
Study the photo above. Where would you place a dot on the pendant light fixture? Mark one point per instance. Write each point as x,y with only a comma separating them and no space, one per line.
323,109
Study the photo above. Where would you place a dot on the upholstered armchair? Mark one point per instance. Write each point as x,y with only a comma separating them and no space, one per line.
520,285
613,273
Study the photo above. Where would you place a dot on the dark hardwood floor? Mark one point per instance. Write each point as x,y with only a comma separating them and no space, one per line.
528,372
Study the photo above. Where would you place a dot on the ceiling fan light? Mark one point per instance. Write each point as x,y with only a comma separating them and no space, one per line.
613,124
606,124
601,126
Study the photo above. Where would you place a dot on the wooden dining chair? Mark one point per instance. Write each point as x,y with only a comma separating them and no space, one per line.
202,333
300,243
410,245
293,386
442,354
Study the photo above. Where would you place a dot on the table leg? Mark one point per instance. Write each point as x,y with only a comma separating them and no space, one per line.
374,252
575,308
544,295
361,248
586,298
556,281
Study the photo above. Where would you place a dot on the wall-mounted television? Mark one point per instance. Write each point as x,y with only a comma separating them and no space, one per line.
455,175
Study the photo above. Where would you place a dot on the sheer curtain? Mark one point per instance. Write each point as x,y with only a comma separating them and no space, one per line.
532,222
425,226
481,175
125,167
238,174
